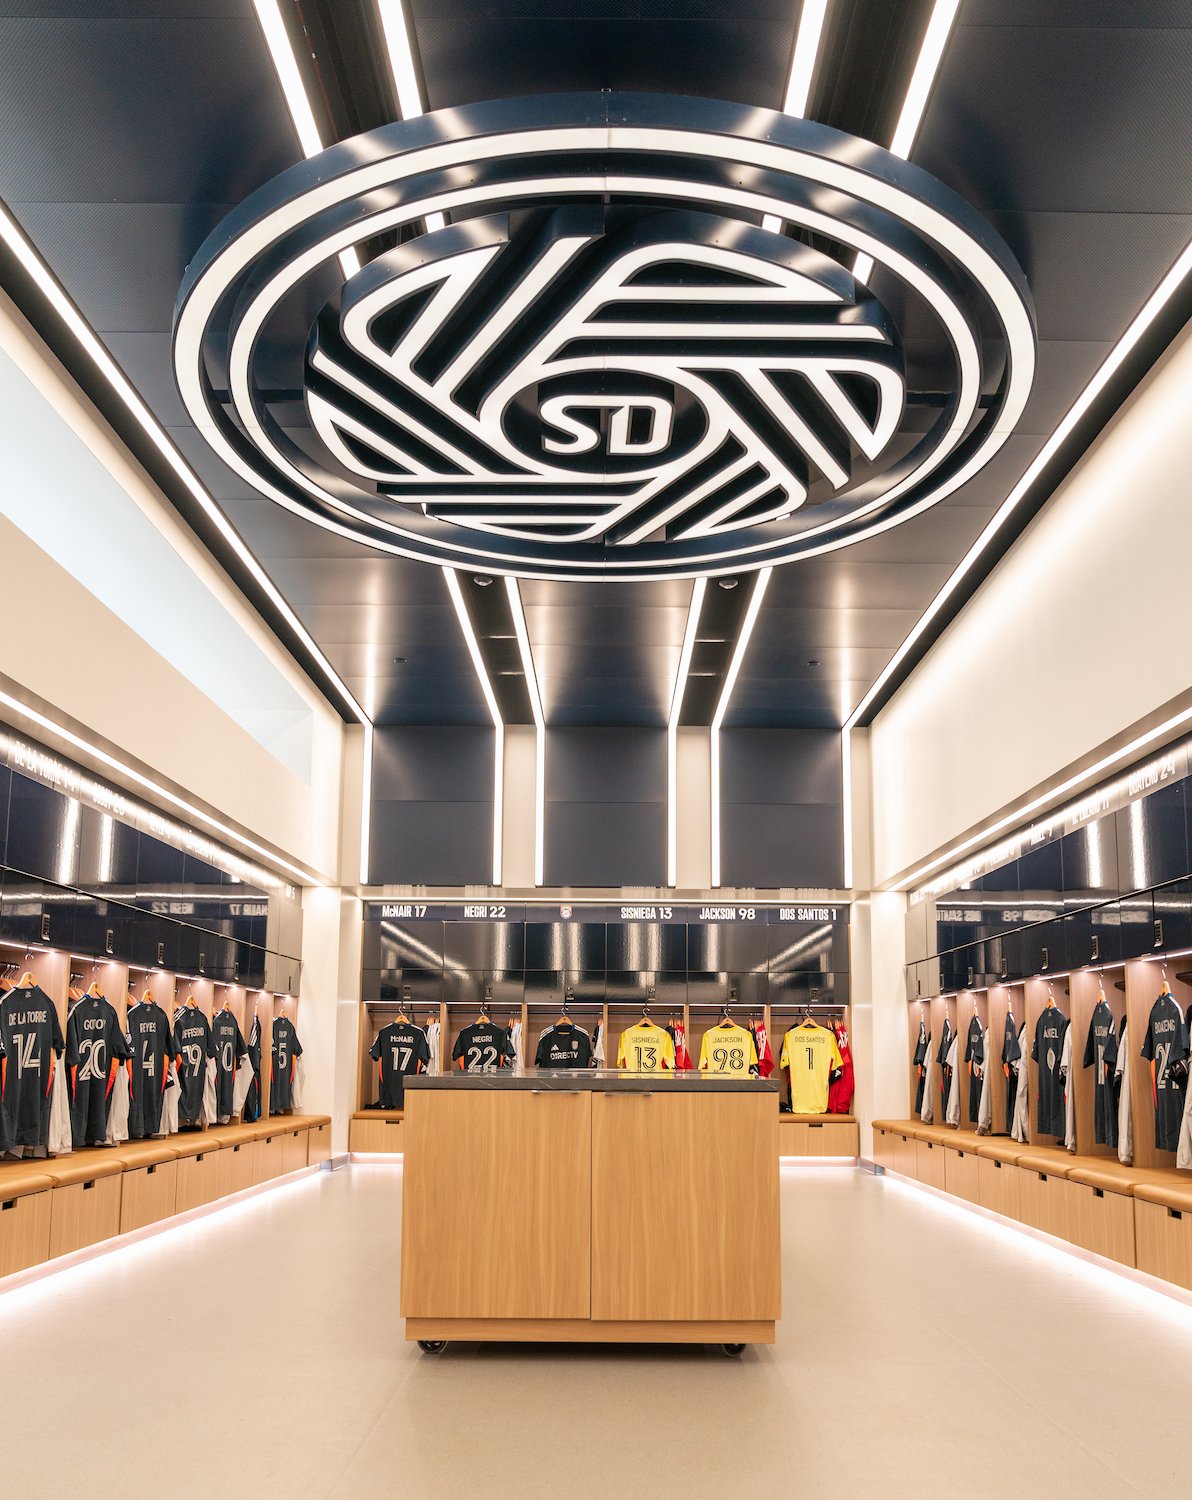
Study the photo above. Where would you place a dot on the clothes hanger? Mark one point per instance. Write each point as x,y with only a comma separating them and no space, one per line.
565,1019
484,1005
27,981
1166,990
401,1009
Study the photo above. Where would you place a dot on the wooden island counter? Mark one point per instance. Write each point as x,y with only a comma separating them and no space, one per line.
586,1206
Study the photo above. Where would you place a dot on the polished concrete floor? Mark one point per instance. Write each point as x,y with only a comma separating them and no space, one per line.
924,1352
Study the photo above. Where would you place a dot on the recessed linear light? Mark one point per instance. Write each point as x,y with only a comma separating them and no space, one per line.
85,336
486,687
802,74
285,65
698,590
711,640
1113,362
730,681
914,106
523,644
395,27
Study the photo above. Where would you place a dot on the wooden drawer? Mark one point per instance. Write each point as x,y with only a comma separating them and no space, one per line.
295,1150
24,1232
318,1146
832,1138
1044,1201
148,1195
83,1213
237,1167
961,1174
929,1164
270,1158
199,1179
1101,1222
905,1156
384,1136
883,1149
998,1187
1163,1242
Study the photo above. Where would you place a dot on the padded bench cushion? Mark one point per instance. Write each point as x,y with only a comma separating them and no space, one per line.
18,1179
1175,1194
83,1166
1000,1149
136,1154
937,1135
1040,1159
194,1142
400,1114
1108,1176
795,1119
309,1122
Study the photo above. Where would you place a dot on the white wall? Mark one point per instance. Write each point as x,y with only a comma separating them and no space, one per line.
1081,633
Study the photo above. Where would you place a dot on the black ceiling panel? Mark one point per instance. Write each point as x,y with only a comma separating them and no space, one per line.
128,128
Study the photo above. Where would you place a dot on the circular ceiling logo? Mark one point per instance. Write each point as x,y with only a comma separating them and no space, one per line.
593,352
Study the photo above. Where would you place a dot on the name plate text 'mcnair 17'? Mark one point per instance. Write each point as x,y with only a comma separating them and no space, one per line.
605,337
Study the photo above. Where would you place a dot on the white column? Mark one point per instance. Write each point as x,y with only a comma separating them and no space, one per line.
329,1013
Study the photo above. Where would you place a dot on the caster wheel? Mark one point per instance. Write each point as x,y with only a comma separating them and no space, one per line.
432,1346
732,1351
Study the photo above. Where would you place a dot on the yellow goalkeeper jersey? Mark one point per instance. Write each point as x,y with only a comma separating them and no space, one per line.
645,1048
810,1054
728,1049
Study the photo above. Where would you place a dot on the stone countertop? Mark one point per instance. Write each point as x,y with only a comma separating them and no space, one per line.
588,1080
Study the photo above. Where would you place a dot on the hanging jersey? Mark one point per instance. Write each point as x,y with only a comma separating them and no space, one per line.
252,1100
1165,1046
919,1063
563,1046
193,1046
31,1036
1048,1052
1011,1055
811,1056
840,1090
947,1036
400,1049
678,1033
728,1050
151,1043
482,1047
1100,1053
974,1061
761,1040
229,1047
5,1133
286,1050
95,1047
645,1048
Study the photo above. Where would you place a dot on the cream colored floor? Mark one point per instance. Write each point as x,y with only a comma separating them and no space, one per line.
924,1353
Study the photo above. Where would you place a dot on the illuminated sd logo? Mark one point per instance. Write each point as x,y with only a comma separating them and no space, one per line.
610,362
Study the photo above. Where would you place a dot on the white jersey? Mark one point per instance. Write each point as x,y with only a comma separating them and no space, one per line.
1069,1091
1020,1128
1183,1154
1125,1124
952,1116
985,1107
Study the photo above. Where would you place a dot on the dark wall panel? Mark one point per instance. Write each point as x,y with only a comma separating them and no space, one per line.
780,808
605,807
432,806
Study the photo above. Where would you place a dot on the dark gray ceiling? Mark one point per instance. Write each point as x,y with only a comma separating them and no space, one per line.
128,128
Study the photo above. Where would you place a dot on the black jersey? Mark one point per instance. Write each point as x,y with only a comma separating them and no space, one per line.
228,1042
564,1046
920,1063
95,1048
401,1049
287,1049
483,1047
1047,1051
941,1057
5,1133
151,1042
193,1045
1165,1046
1100,1053
974,1057
1011,1054
31,1035
252,1100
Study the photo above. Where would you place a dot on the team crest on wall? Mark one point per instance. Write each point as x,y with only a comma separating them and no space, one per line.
605,337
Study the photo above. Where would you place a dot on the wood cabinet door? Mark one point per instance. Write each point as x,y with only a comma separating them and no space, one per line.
496,1204
685,1206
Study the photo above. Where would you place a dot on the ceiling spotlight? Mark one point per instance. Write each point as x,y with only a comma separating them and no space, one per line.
481,581
813,663
397,660
727,583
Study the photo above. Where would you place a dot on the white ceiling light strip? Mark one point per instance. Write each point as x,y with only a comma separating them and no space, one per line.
366,804
802,74
730,681
1025,810
39,272
1117,356
672,731
527,660
395,26
846,811
486,687
130,774
914,106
